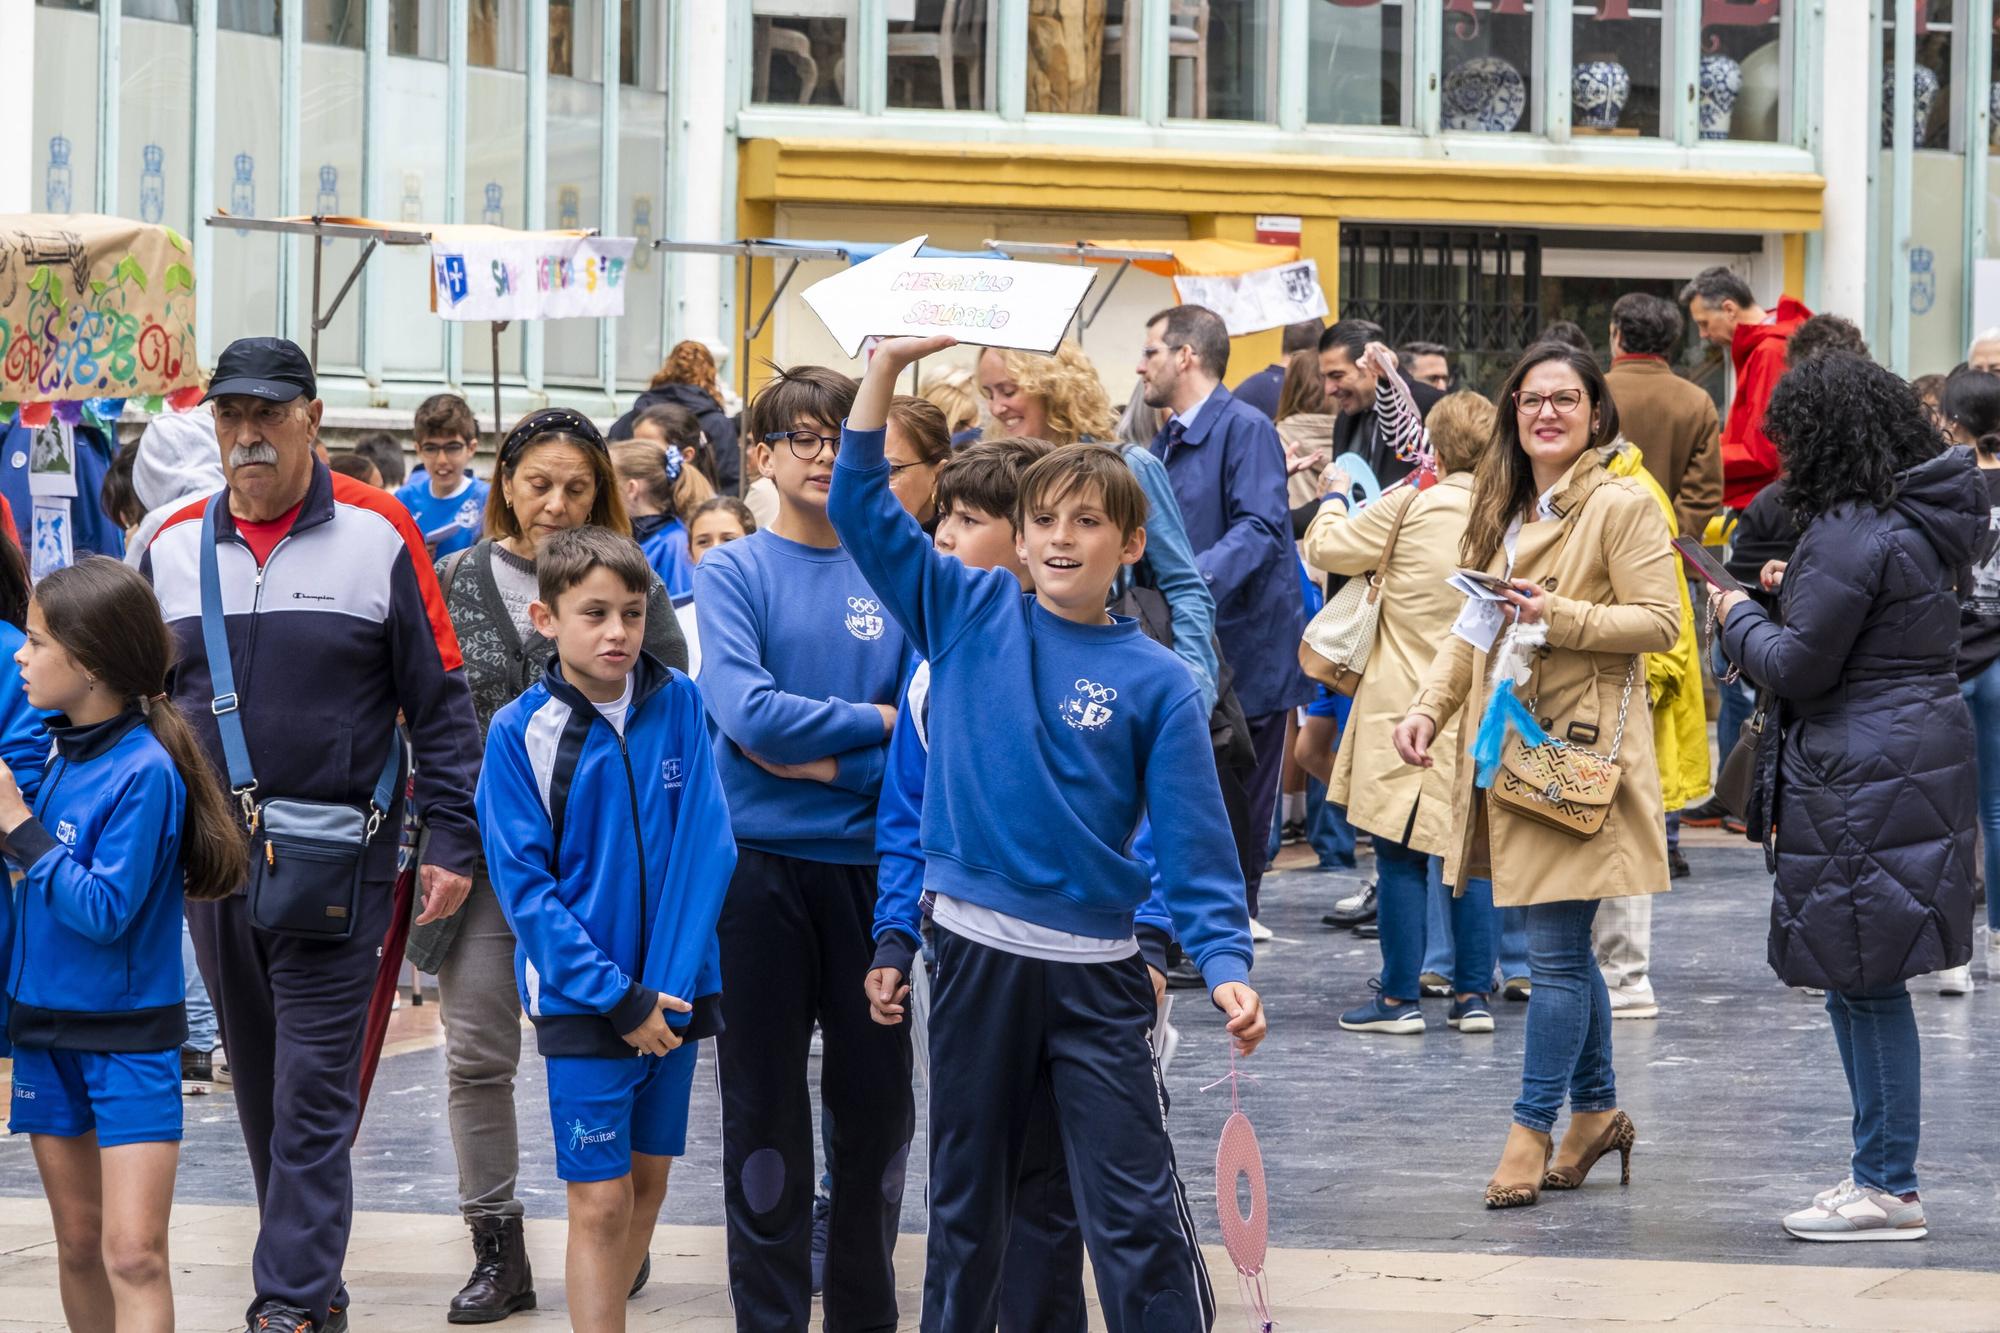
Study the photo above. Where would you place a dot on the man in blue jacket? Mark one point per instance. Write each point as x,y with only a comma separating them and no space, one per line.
1228,471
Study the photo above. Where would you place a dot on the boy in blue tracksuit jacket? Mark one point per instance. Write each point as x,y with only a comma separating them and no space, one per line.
801,671
1054,729
598,781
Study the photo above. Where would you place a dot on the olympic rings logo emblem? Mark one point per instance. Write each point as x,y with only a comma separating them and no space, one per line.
1100,694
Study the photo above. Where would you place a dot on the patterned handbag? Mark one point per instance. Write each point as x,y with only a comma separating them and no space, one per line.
1561,785
1339,638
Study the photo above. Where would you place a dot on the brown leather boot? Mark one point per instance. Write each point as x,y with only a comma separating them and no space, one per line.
501,1280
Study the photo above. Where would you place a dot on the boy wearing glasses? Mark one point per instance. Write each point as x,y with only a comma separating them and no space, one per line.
444,497
801,671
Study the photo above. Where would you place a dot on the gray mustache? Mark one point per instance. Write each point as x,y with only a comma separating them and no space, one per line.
243,455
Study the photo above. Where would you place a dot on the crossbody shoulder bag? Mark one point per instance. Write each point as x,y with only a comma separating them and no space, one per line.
306,857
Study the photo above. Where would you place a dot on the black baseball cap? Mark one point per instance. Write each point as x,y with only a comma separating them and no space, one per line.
270,368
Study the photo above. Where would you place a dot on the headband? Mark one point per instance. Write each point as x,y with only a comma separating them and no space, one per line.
550,421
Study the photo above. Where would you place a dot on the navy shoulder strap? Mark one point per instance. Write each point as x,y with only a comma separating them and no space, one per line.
226,705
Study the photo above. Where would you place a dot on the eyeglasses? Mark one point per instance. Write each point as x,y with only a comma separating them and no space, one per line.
898,469
448,449
1564,401
805,444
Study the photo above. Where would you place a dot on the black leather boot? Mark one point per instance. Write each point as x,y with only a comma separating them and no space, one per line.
501,1280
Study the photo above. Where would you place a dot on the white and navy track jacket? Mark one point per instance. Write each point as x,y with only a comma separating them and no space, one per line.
610,855
342,627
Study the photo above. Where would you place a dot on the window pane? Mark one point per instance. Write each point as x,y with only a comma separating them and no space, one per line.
245,270
155,122
336,23
801,51
642,45
417,28
1492,59
575,183
642,214
330,117
1932,85
1220,60
409,335
65,120
1356,74
165,11
1746,69
1617,50
498,35
496,138
1076,58
937,53
258,16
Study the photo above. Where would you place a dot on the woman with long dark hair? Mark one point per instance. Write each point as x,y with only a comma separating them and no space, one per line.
1591,587
1870,801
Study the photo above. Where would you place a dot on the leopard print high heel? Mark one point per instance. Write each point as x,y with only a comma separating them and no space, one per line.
1618,1136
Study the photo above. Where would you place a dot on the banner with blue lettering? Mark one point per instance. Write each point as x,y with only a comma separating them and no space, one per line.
492,273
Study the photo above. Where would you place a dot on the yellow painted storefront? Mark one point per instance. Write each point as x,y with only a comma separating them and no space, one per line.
1221,195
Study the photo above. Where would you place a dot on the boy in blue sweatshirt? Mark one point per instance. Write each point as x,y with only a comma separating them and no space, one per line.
1054,730
801,671
448,502
607,839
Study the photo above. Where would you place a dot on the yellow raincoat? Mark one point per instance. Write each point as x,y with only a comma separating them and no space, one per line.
1673,679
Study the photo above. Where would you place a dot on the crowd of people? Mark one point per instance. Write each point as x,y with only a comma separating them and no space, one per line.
948,744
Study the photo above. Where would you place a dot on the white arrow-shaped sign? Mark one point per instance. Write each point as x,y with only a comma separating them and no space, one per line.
990,302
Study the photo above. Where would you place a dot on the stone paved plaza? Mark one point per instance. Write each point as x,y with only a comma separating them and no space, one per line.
1376,1147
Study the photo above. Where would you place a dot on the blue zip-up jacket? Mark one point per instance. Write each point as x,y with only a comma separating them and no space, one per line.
899,884
795,654
664,539
574,818
1052,741
24,736
1170,557
96,958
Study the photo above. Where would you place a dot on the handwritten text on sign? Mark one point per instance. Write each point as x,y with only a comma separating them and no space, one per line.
487,273
93,307
989,302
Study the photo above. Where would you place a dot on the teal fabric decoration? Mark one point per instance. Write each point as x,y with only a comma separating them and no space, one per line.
1503,710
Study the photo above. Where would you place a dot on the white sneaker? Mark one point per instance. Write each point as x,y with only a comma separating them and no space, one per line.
1354,901
1955,981
1859,1213
1634,1001
1259,932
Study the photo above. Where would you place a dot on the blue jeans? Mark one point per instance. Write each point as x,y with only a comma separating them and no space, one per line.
1568,1044
1877,1036
1982,696
1403,878
202,1032
1510,924
1327,829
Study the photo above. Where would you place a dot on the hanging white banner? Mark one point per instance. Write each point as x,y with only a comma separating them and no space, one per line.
986,302
1264,298
490,273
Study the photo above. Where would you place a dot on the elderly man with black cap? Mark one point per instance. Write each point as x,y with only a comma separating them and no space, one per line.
307,617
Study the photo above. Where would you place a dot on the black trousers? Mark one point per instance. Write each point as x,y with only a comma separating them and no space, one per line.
795,950
1041,1280
292,1014
1267,735
1002,1027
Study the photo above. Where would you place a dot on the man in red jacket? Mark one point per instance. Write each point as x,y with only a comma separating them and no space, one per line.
1722,307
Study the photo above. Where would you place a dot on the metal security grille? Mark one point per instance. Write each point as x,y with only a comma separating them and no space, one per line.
1476,292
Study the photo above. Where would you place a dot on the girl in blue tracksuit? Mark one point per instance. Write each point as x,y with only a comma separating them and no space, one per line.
662,487
126,814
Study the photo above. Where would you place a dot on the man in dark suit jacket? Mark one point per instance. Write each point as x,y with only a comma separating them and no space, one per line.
1228,473
1673,422
1350,391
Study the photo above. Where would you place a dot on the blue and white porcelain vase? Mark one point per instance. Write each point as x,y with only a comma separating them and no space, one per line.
1485,93
1599,89
1923,95
1721,81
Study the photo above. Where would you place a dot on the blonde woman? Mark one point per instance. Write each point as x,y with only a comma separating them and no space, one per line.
1409,810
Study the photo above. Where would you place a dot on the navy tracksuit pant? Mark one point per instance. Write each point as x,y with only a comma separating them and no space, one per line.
293,1014
795,950
1002,1027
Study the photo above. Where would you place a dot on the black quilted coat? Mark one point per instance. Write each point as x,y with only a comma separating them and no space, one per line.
1876,791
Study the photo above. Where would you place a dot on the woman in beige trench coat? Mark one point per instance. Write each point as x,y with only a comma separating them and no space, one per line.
1587,555
1408,810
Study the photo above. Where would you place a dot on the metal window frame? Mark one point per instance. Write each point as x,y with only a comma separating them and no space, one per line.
1978,67
1429,275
